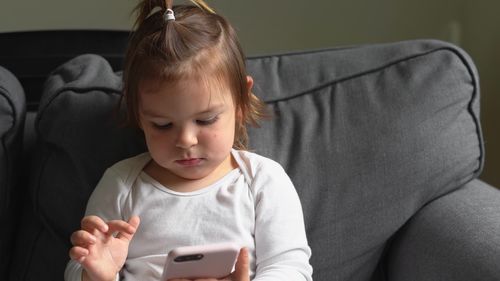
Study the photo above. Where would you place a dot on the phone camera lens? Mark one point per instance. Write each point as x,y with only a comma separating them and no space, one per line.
189,258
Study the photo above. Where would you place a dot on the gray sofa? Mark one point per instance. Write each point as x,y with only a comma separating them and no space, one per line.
12,115
382,141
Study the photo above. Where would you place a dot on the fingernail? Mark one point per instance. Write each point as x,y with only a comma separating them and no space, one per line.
104,228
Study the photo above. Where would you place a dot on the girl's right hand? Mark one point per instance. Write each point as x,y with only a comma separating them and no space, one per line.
102,247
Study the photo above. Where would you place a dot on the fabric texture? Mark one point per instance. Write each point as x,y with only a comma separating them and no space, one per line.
463,226
369,135
253,206
12,110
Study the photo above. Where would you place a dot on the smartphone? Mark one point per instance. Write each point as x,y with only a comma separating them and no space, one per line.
205,261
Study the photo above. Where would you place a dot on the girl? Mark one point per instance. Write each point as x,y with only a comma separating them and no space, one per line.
186,88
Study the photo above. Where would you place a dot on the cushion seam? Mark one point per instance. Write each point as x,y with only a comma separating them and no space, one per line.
360,74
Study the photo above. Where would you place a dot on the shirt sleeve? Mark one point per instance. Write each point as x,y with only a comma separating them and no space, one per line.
106,201
73,271
282,251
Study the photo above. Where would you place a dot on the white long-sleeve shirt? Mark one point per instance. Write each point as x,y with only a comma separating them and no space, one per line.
255,206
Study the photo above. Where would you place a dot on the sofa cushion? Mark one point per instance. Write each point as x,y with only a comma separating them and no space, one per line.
455,237
12,112
81,134
368,134
54,47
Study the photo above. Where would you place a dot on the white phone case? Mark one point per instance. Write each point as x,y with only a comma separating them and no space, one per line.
206,261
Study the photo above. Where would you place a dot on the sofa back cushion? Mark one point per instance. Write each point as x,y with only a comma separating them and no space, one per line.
368,135
12,113
54,47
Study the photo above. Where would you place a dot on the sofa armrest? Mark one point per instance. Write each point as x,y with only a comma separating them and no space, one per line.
456,237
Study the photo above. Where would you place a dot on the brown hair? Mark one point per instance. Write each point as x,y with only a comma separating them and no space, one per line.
198,42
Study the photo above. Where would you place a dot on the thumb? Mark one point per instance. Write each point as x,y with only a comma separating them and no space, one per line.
134,221
133,224
242,267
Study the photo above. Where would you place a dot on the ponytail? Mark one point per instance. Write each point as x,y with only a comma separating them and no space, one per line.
145,8
202,5
148,7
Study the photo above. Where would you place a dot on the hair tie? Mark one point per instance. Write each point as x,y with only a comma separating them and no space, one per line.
169,15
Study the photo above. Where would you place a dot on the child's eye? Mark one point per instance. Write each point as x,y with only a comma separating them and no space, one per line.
162,126
209,121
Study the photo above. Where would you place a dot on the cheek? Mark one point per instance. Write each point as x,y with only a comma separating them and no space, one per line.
218,137
210,136
156,139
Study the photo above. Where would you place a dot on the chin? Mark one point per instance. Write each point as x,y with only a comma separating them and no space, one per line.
193,175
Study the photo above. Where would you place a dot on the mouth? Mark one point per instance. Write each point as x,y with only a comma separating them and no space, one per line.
189,162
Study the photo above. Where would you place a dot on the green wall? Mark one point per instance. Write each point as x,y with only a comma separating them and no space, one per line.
264,26
272,26
482,41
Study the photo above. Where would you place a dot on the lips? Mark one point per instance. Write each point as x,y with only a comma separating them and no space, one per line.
189,162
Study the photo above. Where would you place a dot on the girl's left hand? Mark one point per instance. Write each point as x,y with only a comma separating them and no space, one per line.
241,271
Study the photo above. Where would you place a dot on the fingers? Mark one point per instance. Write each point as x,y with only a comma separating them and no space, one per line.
90,223
82,238
94,229
126,230
134,221
77,252
242,267
119,226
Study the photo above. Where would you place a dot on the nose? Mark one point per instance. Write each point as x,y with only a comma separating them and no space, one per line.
186,138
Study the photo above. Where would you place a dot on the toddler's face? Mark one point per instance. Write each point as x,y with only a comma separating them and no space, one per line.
189,128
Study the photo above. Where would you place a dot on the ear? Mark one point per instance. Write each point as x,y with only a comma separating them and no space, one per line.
249,83
239,114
